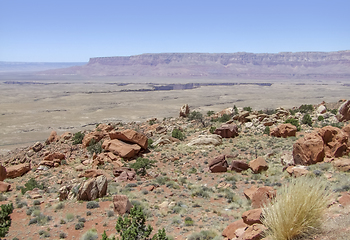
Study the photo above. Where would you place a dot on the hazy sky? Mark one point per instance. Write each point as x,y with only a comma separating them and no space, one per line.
75,30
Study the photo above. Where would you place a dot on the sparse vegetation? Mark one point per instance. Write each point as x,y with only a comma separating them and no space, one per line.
92,205
297,209
5,218
141,165
78,138
30,185
176,133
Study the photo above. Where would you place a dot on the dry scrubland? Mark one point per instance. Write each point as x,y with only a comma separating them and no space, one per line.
182,192
29,112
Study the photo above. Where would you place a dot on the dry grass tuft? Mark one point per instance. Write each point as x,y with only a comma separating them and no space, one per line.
297,209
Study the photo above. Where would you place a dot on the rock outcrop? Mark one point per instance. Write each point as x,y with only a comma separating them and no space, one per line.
344,112
121,204
227,130
18,170
258,165
184,111
130,136
93,188
120,148
218,164
284,130
308,150
203,140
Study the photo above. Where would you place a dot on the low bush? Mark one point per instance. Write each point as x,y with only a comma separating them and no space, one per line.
5,218
91,234
78,138
297,209
30,185
189,221
306,108
141,165
176,133
203,235
79,226
294,122
94,147
307,120
92,204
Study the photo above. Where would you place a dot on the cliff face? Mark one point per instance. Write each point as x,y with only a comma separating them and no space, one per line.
250,65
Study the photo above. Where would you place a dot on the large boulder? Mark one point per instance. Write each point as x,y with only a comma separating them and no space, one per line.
308,150
37,147
93,188
120,148
321,109
163,140
342,164
218,164
18,170
203,140
184,111
253,232
52,138
230,230
124,174
258,165
335,141
95,136
4,186
260,196
239,166
121,204
130,136
344,112
3,173
252,216
284,130
227,130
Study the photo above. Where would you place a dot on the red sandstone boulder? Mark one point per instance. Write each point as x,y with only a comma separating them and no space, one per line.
252,216
120,148
91,173
218,164
239,166
258,165
53,137
227,130
342,164
130,136
263,196
3,173
55,155
4,186
308,150
284,130
253,232
184,111
124,174
96,136
344,112
335,141
121,204
230,230
17,170
297,171
93,188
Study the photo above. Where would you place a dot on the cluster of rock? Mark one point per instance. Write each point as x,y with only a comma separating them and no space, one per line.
219,164
12,172
250,227
326,143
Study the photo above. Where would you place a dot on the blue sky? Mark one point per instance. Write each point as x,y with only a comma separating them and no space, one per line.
75,30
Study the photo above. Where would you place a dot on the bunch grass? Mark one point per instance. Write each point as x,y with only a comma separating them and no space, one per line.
297,209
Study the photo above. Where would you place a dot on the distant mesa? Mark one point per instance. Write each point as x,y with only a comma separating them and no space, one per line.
287,65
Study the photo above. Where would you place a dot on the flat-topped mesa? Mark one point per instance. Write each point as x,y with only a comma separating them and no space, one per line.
311,59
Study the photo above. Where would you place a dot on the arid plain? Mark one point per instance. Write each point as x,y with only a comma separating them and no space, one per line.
31,109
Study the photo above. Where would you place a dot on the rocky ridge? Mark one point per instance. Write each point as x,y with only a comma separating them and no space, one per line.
219,174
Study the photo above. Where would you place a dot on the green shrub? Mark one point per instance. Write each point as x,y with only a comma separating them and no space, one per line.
209,113
249,109
267,130
294,122
92,204
203,235
91,234
70,217
79,226
150,142
306,108
189,221
63,235
297,209
105,237
212,129
307,120
141,165
78,138
195,116
94,147
44,233
5,219
30,185
133,227
178,134
320,118
224,118
334,111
